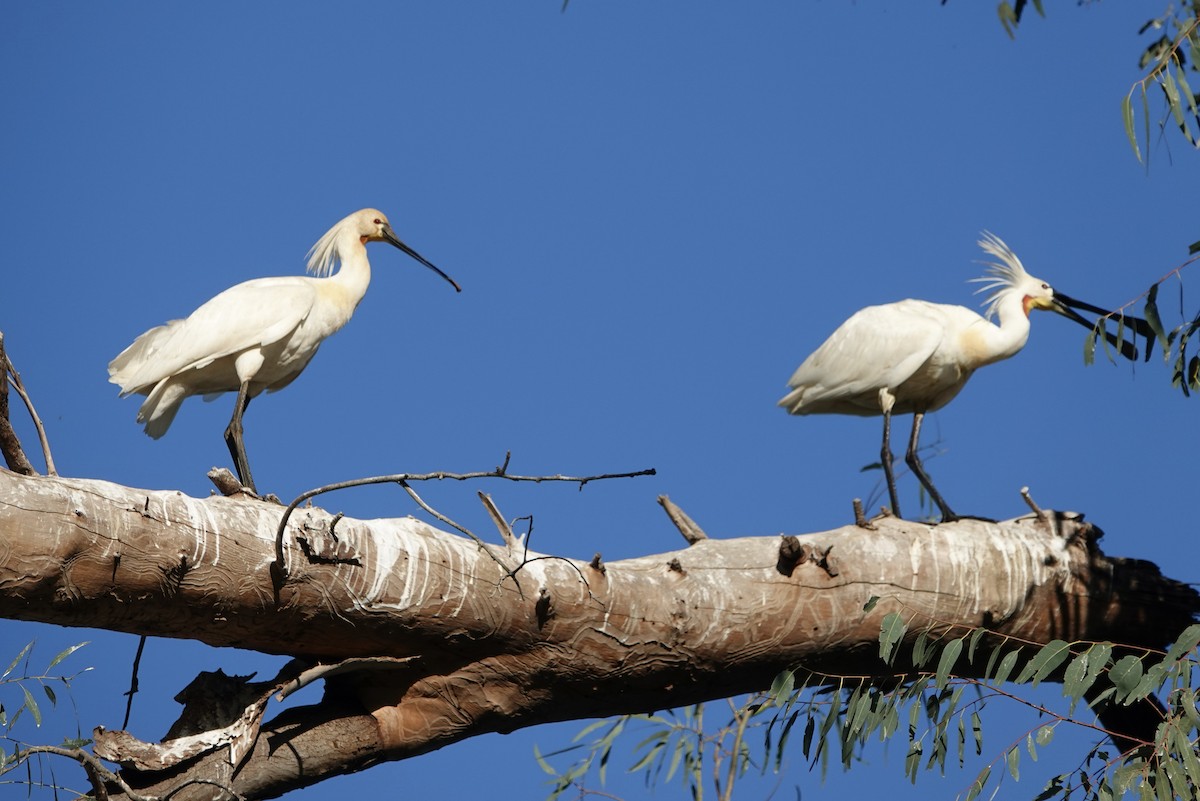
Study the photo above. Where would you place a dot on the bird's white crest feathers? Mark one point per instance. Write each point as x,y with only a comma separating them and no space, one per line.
323,256
1002,275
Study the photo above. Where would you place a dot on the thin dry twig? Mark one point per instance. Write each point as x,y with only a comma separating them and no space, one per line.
14,378
97,772
323,671
279,570
478,540
133,681
10,444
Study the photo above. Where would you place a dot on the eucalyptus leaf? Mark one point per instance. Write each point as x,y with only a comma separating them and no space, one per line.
1125,675
1045,662
1127,119
1013,760
947,661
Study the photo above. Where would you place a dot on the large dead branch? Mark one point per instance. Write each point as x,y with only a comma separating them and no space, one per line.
424,640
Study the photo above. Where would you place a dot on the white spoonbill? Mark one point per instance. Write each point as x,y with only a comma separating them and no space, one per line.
255,336
915,356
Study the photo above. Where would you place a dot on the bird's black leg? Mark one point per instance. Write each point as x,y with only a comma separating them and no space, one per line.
885,456
914,463
233,438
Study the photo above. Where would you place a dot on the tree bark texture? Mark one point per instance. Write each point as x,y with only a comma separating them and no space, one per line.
423,639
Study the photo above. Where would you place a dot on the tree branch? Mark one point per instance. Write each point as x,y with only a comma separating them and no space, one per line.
455,651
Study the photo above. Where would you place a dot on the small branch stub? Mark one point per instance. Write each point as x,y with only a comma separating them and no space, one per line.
1037,510
511,541
791,554
225,482
687,527
860,516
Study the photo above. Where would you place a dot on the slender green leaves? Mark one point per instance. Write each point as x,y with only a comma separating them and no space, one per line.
946,662
891,632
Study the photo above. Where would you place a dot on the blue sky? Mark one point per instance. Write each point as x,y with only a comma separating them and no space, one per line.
655,210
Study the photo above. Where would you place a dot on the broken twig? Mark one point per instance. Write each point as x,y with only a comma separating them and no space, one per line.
1037,510
506,532
687,527
10,444
860,517
279,570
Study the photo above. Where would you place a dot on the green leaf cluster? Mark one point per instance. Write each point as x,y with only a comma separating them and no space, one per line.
677,746
1169,58
1177,346
1183,363
940,714
19,681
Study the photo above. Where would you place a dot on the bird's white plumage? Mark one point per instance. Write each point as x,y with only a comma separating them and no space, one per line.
920,352
1002,276
866,354
276,324
914,356
256,336
254,314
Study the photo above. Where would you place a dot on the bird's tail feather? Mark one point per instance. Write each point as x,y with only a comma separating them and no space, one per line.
126,369
160,407
793,400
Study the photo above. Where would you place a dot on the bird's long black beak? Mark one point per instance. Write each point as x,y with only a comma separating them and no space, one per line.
390,235
1066,305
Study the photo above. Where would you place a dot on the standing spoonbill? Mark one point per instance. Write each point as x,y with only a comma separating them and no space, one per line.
255,336
913,356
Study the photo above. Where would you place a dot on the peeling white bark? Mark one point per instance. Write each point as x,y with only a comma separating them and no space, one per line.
484,652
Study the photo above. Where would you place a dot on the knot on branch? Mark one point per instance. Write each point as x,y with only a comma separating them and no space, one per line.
543,609
321,546
793,553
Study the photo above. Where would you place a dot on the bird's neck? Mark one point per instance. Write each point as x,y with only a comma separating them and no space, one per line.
1008,337
354,274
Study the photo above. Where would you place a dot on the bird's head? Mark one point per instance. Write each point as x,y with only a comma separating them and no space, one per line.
370,225
1006,278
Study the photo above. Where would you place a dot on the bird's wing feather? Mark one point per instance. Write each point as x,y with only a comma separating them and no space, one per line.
878,347
253,313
